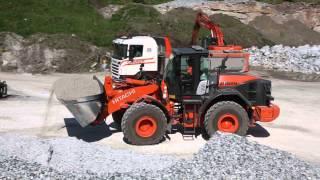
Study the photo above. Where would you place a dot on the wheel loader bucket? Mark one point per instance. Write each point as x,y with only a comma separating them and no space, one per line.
83,97
85,110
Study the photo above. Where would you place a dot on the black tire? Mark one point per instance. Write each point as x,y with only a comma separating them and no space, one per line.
117,117
132,116
226,107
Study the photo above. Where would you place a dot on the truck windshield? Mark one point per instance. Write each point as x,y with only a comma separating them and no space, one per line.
120,51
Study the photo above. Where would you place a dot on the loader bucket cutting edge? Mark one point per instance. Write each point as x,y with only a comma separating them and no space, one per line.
86,109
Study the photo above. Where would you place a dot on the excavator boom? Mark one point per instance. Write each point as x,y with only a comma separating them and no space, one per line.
202,20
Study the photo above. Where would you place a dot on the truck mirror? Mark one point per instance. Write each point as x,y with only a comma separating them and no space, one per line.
131,53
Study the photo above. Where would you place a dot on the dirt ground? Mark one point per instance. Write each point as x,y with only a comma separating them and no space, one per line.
28,110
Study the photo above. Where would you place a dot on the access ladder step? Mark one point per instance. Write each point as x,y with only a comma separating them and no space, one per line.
188,137
188,134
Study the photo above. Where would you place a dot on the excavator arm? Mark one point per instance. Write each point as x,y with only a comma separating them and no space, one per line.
202,20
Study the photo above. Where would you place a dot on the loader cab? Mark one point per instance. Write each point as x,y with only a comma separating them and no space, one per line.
196,71
185,71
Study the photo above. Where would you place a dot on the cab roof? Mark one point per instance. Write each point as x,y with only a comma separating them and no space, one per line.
190,50
137,40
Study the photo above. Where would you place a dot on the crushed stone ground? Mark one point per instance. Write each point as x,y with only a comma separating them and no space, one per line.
224,156
72,155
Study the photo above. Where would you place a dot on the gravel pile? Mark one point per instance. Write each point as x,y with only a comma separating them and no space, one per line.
15,168
77,87
72,155
302,59
234,157
223,157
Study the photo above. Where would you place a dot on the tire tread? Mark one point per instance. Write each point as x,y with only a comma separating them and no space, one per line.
132,110
242,131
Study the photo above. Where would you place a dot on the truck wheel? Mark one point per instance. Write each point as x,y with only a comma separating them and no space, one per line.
117,117
144,124
226,116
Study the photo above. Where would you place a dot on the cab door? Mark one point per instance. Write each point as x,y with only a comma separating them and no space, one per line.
182,75
189,74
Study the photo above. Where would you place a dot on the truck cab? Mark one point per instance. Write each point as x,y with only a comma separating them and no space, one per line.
130,52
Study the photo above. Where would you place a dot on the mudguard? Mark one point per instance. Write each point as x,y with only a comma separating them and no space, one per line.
156,102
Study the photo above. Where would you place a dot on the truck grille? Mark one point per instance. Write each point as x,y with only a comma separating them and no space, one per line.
115,69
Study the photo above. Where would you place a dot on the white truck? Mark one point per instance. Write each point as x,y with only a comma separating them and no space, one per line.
130,52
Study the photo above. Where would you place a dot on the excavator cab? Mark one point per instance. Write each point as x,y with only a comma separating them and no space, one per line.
208,41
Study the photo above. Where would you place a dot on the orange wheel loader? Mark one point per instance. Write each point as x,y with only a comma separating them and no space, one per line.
214,96
199,89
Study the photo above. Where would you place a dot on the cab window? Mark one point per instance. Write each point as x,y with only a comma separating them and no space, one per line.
136,50
204,68
186,74
230,64
170,77
186,67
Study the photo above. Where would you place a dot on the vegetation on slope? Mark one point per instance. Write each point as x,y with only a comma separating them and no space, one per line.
178,25
133,1
236,32
27,17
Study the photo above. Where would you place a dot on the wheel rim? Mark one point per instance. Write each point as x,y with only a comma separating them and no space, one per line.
146,126
228,123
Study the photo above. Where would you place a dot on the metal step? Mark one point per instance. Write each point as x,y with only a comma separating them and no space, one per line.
188,133
188,137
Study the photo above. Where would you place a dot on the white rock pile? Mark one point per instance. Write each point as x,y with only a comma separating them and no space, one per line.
303,59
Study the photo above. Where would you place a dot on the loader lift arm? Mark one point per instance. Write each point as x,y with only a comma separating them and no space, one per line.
202,20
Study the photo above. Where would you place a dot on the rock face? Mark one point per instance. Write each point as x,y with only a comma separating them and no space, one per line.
303,59
42,53
247,10
109,10
291,33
